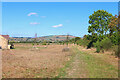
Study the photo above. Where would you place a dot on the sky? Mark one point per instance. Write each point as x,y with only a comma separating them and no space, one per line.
60,0
24,19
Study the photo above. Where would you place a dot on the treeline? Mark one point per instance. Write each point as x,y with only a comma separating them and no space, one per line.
104,32
44,42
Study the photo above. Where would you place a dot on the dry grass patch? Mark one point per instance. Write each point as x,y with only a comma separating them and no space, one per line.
41,63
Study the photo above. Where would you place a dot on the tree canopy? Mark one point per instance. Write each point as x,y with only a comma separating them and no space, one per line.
99,22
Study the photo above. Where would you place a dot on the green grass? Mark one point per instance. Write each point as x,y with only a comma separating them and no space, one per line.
62,71
97,67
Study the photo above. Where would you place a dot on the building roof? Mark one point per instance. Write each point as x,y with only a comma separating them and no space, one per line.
5,36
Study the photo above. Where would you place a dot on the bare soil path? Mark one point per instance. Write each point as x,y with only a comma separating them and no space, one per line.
87,64
78,68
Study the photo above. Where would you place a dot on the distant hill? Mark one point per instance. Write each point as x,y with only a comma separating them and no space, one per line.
52,38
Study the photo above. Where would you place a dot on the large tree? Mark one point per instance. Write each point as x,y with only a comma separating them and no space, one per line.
99,21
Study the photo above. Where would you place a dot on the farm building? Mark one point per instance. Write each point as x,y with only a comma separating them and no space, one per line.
4,39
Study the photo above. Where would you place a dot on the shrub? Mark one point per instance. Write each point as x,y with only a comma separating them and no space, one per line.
97,45
37,43
106,44
44,44
90,44
33,44
115,48
76,39
78,42
82,42
66,43
48,43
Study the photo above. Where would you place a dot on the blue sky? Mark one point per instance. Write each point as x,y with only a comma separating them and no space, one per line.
50,18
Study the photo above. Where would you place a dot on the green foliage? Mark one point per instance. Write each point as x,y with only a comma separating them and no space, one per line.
99,21
90,44
33,44
77,38
60,42
115,38
72,40
37,43
44,43
82,42
48,43
115,48
102,22
92,39
106,43
113,24
78,42
97,45
66,43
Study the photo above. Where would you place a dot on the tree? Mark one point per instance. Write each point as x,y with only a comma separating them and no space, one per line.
113,24
114,27
67,39
99,21
98,28
92,39
77,38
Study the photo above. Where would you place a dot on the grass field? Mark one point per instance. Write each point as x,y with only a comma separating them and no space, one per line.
48,61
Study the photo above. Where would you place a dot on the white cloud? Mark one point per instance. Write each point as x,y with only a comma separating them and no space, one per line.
32,13
34,23
59,25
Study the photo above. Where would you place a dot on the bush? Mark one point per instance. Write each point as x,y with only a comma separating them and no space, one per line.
44,44
97,45
33,44
66,43
85,42
48,43
78,42
90,44
37,43
106,44
115,48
